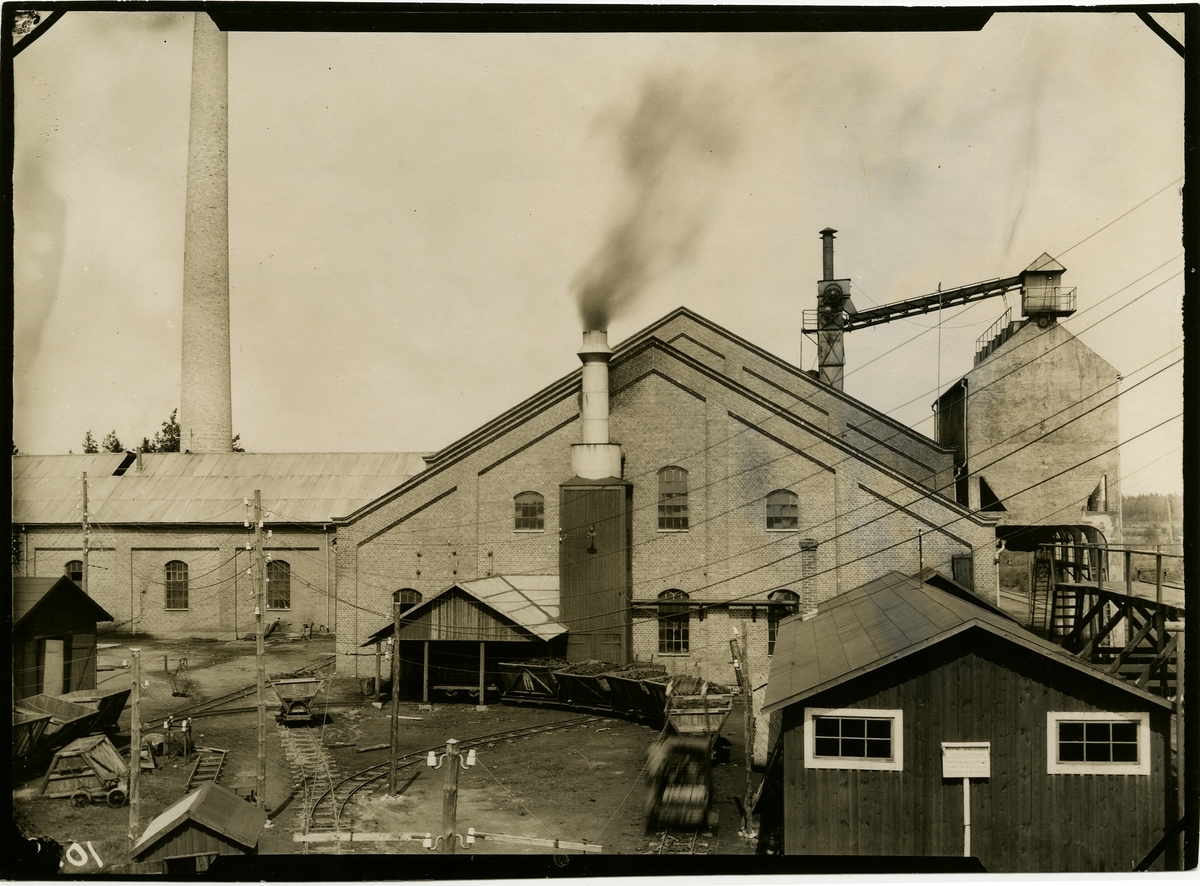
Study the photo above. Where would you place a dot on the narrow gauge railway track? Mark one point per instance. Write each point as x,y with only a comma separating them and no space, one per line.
697,842
328,811
317,772
213,705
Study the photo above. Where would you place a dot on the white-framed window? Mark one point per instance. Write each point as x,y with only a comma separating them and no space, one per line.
1097,743
673,499
176,585
853,738
279,584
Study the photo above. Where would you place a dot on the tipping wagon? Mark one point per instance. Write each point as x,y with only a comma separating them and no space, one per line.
68,720
88,770
295,696
108,703
27,730
679,770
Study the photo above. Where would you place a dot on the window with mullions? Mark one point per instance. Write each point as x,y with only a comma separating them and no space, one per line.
853,738
783,512
673,499
530,512
407,598
279,584
74,570
783,604
177,585
1098,743
674,622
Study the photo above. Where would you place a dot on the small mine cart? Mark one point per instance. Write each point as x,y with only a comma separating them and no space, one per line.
295,695
679,783
88,769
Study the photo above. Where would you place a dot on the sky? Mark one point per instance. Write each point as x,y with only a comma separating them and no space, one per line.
420,223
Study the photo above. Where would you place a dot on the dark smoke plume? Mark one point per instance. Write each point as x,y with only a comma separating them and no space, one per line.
672,146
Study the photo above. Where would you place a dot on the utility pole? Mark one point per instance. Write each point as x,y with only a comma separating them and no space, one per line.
395,738
135,744
260,789
450,798
86,533
741,666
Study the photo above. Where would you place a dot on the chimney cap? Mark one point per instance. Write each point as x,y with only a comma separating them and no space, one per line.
829,231
595,341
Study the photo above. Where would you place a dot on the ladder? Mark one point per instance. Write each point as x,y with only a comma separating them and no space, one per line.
207,768
1041,591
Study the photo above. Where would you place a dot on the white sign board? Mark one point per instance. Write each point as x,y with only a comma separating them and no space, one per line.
966,759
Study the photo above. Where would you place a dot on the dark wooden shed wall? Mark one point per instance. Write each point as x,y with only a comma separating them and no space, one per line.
190,839
458,616
597,589
979,688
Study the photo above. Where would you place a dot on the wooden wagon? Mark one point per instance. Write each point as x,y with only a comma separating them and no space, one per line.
295,696
68,720
27,731
88,769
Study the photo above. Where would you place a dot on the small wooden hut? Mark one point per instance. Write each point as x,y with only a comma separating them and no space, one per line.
54,636
210,821
916,722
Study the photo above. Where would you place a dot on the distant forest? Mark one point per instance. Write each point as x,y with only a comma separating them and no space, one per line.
1152,518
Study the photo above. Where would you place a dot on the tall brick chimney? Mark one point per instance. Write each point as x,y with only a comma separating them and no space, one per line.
205,408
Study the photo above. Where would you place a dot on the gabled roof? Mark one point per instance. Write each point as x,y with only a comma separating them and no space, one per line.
884,621
530,601
211,806
29,594
185,488
1045,264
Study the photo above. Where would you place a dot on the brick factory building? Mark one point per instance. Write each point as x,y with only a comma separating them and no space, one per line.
698,482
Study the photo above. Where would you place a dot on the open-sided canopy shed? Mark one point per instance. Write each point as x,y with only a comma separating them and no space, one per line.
500,609
208,822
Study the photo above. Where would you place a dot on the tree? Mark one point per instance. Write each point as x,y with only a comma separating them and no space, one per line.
89,443
111,443
167,438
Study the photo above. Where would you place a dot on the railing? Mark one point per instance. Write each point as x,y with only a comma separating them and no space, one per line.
1048,300
984,342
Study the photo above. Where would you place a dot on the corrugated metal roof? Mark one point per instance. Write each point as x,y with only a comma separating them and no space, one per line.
214,807
529,600
28,593
885,620
175,487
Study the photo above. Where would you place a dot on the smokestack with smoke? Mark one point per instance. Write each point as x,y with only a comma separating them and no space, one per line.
672,145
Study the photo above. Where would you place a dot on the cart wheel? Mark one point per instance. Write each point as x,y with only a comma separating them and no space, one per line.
116,798
80,798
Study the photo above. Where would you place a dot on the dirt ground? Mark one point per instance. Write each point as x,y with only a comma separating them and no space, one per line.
581,784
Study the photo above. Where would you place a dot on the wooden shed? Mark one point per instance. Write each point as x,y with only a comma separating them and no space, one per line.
54,636
208,822
453,642
917,723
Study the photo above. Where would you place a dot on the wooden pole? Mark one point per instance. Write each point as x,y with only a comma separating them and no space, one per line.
1180,786
135,744
395,738
378,660
741,666
260,784
966,818
450,797
482,706
86,534
425,677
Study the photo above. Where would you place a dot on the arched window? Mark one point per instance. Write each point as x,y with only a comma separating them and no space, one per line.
783,512
673,622
279,584
177,585
407,598
530,512
673,498
783,604
74,570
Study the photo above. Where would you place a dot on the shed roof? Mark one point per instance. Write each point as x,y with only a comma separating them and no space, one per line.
530,601
175,487
211,806
29,594
884,621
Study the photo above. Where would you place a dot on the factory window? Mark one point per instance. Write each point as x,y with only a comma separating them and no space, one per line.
1097,743
407,598
673,623
74,570
279,584
673,499
783,513
530,512
783,604
177,585
853,738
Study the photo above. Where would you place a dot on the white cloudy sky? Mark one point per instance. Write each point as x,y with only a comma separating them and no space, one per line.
410,214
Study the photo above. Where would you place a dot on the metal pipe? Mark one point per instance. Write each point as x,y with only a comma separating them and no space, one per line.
595,355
